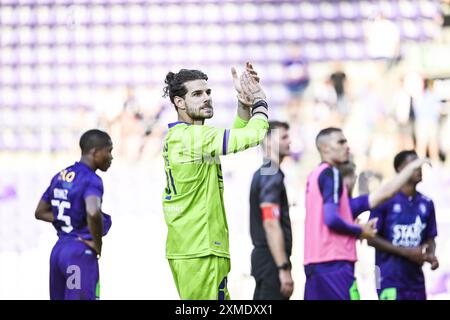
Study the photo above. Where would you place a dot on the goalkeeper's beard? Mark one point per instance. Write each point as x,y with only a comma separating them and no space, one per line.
202,113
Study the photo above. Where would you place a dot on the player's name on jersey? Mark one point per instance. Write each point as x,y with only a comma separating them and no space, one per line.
60,193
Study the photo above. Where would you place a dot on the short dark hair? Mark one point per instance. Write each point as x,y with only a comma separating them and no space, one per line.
326,132
274,124
94,138
401,157
175,82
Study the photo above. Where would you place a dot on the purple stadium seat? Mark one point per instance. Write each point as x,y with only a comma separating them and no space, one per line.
56,53
389,9
348,10
311,31
9,15
8,56
291,31
352,30
269,12
9,36
249,12
328,10
334,51
408,9
368,9
289,11
331,31
409,29
428,8
308,11
314,51
354,50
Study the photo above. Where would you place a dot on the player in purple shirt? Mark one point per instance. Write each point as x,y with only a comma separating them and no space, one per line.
334,280
388,191
331,182
406,231
330,234
367,201
72,203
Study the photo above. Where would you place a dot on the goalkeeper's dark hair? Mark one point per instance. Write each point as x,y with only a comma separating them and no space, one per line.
175,82
94,139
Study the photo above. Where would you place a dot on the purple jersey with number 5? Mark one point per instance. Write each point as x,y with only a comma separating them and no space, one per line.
67,193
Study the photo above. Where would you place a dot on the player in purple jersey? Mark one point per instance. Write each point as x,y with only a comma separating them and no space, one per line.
72,203
330,273
369,200
330,234
407,228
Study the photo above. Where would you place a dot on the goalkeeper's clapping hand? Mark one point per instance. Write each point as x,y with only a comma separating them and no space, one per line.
247,86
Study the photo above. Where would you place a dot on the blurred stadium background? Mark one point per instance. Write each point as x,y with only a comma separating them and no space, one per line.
68,66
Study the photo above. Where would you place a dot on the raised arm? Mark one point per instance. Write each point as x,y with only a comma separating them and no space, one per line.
390,188
244,107
248,93
245,133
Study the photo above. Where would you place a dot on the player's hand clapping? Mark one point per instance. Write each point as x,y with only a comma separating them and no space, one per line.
247,86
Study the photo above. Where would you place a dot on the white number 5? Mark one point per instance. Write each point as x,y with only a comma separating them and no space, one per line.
66,219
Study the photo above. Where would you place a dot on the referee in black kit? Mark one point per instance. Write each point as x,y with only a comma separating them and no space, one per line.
270,225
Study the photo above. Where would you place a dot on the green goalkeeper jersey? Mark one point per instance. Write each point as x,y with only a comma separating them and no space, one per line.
193,198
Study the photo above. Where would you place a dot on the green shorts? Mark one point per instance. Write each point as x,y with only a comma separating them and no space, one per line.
202,278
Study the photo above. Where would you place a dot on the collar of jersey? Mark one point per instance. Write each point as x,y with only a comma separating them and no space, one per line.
173,124
404,196
80,163
267,163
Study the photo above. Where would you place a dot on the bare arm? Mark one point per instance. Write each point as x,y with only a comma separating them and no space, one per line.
364,179
389,189
430,245
275,240
95,222
414,254
44,211
277,248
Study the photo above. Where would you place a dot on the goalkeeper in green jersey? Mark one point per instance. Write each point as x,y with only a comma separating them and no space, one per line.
197,240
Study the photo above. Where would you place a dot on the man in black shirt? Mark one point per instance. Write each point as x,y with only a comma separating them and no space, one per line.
270,225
